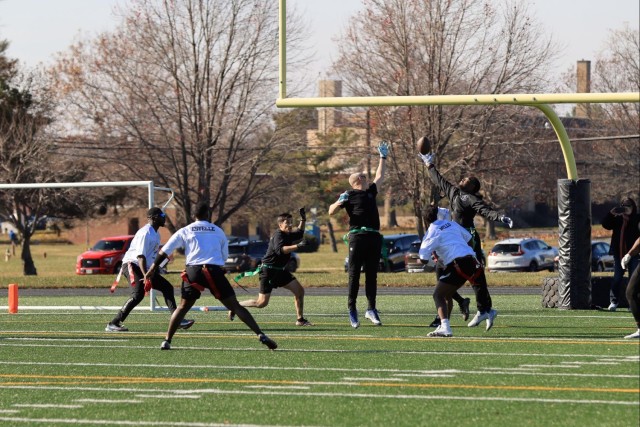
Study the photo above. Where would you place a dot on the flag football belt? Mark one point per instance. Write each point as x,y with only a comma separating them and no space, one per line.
471,279
358,230
207,275
256,271
132,276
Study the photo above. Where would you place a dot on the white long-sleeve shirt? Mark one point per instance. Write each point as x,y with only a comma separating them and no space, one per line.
447,239
203,243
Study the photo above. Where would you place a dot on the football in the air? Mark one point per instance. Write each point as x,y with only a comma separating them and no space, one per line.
423,145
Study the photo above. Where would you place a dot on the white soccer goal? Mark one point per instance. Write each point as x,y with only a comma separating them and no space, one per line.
153,305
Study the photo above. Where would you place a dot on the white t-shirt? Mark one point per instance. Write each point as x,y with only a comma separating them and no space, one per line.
448,239
146,242
203,243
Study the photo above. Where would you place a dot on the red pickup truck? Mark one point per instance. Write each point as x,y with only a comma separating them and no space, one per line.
105,257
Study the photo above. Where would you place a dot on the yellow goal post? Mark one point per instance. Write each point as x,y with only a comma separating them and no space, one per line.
540,101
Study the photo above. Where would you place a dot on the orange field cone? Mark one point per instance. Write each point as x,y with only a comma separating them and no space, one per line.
13,298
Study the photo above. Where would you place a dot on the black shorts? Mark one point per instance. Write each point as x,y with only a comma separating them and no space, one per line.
270,278
197,281
466,268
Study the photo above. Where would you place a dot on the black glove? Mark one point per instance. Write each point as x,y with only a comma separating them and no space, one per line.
303,214
302,243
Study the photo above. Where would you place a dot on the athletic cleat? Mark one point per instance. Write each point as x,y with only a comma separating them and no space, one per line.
634,335
373,316
166,345
186,324
115,328
464,308
271,344
492,316
613,306
436,322
440,332
353,318
479,317
231,315
303,322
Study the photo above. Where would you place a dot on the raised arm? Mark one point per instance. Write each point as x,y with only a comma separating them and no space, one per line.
383,150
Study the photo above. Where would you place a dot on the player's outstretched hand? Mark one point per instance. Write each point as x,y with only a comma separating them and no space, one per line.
428,159
383,149
506,220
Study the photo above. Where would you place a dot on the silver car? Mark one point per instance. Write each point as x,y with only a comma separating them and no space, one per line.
521,255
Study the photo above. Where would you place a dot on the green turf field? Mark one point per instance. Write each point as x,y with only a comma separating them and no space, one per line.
536,367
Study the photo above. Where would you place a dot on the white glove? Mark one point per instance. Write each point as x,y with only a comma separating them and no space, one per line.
428,159
624,262
506,220
343,197
383,149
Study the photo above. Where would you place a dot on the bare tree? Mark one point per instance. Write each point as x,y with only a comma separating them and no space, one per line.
609,152
444,47
183,93
26,157
617,69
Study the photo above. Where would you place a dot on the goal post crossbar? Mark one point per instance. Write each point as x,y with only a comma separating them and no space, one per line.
513,99
148,184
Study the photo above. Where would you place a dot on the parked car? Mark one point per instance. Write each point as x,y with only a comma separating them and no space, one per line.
246,255
600,258
412,262
521,255
397,246
105,257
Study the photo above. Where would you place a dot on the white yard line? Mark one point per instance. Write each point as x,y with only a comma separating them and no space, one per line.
278,387
112,422
108,337
437,396
46,405
306,350
107,401
488,370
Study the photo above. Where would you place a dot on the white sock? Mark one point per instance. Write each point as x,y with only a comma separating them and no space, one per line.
445,324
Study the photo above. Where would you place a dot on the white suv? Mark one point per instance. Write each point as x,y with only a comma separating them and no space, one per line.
521,255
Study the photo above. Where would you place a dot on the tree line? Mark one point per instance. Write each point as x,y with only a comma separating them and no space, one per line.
183,93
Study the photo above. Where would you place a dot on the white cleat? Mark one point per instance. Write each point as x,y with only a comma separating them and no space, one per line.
479,317
492,316
441,332
634,335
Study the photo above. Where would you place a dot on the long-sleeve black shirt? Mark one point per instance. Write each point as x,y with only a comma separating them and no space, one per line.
463,206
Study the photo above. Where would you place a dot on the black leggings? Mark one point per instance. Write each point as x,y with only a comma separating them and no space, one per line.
137,292
364,250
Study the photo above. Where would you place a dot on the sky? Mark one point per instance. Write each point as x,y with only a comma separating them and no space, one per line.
37,29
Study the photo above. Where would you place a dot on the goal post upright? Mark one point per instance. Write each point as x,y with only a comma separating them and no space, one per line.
573,193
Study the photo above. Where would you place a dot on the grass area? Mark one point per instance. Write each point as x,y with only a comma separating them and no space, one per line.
56,269
536,367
